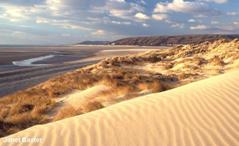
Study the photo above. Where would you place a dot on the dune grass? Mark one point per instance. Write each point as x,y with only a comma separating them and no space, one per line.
22,110
30,107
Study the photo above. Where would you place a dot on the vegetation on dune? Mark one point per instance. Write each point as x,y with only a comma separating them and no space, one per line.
30,107
22,110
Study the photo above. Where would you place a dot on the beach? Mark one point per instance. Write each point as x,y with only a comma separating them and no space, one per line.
60,60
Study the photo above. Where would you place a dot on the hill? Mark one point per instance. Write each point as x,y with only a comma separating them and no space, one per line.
94,43
171,40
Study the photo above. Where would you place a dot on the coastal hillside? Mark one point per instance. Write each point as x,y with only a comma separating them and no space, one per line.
93,43
116,79
171,40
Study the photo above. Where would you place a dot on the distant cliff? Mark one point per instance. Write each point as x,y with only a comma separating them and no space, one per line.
171,40
94,43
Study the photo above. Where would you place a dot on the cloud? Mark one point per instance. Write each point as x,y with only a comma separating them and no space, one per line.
232,13
160,17
191,20
23,2
120,13
179,6
199,27
214,22
121,23
124,10
60,23
86,19
121,1
177,25
145,25
99,32
41,20
236,23
80,15
14,13
217,1
141,16
182,6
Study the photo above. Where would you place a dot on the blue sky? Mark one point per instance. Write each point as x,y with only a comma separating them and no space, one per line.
71,21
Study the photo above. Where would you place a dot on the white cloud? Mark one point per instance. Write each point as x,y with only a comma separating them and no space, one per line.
183,6
191,20
54,4
217,1
236,23
116,22
120,23
120,13
60,23
161,8
232,13
179,6
41,20
199,27
124,10
214,22
178,25
15,13
121,1
99,32
80,15
119,17
145,25
159,17
141,16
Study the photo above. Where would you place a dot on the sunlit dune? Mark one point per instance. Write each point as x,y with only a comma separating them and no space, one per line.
201,113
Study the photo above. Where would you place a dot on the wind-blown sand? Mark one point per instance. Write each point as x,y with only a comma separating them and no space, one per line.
203,113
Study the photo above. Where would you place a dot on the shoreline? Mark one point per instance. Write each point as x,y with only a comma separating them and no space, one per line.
14,78
31,61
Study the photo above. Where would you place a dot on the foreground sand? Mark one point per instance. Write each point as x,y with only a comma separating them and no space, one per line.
204,113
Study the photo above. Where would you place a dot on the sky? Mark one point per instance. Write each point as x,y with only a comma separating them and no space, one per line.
73,21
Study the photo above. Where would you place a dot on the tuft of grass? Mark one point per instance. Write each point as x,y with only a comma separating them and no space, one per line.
216,60
92,106
66,112
20,111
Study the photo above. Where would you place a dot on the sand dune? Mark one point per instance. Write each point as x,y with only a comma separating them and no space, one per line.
126,77
204,113
76,99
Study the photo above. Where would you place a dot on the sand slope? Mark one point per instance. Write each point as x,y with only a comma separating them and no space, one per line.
205,113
